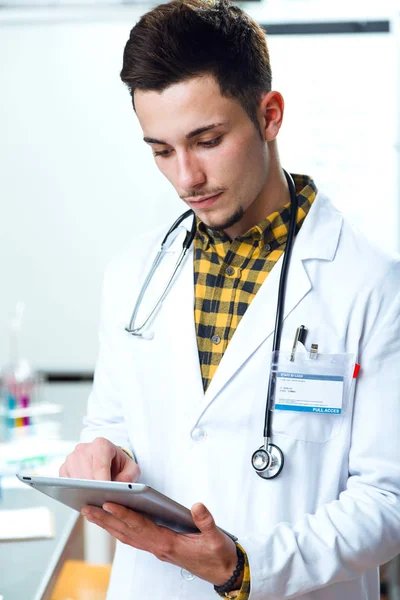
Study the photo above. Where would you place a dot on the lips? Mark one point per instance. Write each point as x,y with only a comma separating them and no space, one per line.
204,201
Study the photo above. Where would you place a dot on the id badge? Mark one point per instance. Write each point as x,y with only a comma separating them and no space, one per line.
314,386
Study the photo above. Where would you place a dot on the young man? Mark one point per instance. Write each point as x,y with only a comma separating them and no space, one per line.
188,401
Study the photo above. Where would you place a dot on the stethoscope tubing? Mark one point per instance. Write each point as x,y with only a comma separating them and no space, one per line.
280,308
185,246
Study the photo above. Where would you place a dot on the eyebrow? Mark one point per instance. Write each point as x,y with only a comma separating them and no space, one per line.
188,136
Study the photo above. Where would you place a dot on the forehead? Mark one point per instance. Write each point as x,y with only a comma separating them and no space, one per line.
183,107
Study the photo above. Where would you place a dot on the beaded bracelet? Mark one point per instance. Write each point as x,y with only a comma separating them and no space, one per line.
221,589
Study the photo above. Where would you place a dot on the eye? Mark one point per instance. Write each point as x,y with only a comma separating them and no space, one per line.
211,143
162,153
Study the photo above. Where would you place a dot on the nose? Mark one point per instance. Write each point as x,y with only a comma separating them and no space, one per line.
190,172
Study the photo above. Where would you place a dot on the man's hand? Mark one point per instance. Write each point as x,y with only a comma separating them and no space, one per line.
100,460
210,555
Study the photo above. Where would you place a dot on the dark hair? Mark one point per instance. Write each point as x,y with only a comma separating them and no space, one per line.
182,39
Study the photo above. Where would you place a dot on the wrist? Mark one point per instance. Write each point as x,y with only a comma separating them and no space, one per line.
235,581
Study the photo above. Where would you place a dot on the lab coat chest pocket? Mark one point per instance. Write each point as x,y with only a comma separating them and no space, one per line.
307,427
313,397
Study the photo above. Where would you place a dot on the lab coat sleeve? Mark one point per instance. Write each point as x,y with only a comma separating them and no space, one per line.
361,529
104,417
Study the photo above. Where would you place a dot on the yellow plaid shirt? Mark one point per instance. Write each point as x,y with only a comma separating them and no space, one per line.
228,274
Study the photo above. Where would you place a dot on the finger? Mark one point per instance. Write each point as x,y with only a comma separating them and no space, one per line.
134,528
134,520
143,532
76,465
103,453
203,519
63,471
105,520
129,473
101,468
79,463
116,533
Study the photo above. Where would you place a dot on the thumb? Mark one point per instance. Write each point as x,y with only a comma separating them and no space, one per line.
203,519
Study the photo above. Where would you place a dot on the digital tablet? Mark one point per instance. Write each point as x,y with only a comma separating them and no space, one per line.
77,493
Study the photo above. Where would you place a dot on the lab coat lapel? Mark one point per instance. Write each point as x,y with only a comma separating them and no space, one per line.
258,322
180,326
318,239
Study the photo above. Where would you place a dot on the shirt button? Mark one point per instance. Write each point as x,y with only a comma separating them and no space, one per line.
230,271
198,434
187,575
215,339
267,248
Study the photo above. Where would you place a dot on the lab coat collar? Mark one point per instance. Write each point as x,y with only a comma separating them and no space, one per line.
318,236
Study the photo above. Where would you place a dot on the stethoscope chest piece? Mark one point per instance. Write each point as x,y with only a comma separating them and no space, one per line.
268,463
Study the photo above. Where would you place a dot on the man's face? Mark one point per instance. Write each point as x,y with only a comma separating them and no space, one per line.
209,149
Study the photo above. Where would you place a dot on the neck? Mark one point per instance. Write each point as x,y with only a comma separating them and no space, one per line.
272,198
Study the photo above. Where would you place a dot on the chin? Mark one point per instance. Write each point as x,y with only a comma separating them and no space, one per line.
224,221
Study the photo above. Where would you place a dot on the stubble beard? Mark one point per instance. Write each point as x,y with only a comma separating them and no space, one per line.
232,220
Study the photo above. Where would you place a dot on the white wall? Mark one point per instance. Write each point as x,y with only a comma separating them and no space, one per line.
76,180
341,123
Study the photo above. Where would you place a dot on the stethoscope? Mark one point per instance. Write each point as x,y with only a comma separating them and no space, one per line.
268,459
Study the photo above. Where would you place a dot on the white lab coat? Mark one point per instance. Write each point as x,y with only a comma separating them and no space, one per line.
319,530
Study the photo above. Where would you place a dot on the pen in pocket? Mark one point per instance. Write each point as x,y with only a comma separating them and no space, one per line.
301,333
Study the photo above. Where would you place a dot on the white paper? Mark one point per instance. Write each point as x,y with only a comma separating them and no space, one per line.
26,524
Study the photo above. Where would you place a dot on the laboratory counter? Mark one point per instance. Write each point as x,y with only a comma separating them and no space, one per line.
29,569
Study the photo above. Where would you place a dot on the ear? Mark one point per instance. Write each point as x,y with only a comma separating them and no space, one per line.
271,110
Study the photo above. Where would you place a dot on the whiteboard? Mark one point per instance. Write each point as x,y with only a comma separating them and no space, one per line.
77,181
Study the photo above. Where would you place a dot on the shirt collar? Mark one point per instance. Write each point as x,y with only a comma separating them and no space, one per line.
262,233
